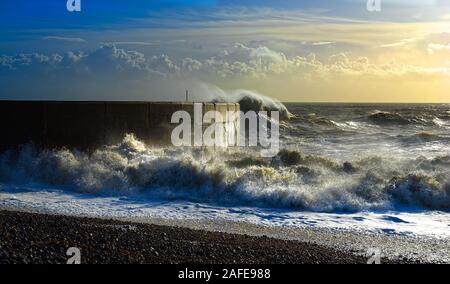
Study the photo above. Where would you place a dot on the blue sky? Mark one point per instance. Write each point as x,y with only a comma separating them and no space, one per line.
24,22
265,45
52,13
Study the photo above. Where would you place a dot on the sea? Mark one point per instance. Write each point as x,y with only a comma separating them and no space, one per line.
377,168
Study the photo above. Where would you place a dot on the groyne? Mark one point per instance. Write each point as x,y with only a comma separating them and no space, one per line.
88,125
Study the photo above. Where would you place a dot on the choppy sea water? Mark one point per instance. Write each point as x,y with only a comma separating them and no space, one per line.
376,168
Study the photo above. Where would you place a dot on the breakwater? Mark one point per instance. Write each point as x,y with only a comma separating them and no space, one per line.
87,125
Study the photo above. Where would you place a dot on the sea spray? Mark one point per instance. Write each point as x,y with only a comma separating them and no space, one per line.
291,180
249,100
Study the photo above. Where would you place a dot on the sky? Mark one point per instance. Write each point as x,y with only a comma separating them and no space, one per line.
290,50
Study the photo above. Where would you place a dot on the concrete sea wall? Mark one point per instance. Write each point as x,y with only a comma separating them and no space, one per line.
88,125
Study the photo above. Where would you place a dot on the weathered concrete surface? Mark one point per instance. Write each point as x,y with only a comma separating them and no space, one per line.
88,125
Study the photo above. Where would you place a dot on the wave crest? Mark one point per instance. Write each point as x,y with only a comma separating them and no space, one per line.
383,118
290,180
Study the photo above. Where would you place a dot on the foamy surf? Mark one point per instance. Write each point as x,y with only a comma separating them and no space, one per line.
141,208
339,175
237,177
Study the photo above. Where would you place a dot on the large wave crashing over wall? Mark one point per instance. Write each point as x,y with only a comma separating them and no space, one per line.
248,100
252,101
236,177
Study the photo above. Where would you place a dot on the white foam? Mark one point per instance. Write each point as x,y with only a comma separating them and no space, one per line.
236,177
441,123
426,223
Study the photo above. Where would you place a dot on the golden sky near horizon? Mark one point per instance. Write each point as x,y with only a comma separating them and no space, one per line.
385,62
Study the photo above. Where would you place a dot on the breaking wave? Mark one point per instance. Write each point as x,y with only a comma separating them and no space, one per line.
248,100
395,119
376,120
423,137
383,117
315,120
236,177
251,101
